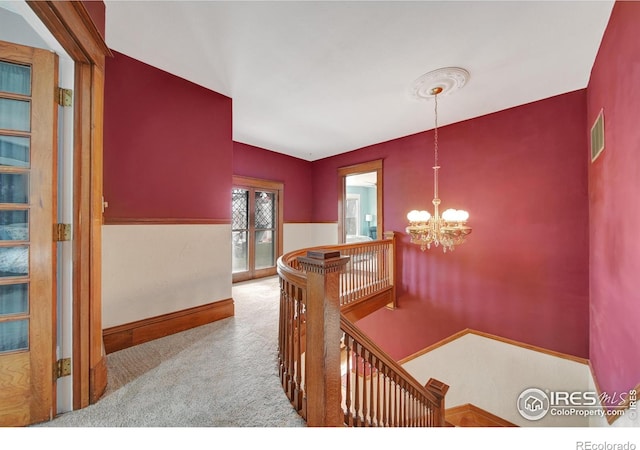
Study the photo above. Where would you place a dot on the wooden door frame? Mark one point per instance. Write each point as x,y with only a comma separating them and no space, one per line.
277,186
343,172
71,25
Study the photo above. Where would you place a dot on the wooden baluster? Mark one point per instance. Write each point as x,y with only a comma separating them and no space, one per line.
407,404
392,396
357,382
361,272
281,331
409,408
291,348
370,398
291,342
378,391
365,400
394,416
287,341
415,410
411,412
392,399
370,277
354,276
410,415
398,391
348,347
377,261
299,347
343,290
403,406
383,393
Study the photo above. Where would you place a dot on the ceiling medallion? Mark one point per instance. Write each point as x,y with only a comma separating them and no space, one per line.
444,81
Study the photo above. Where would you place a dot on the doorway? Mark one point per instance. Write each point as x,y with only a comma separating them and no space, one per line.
360,212
81,50
256,227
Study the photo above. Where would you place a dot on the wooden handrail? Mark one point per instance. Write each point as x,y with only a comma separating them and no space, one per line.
351,381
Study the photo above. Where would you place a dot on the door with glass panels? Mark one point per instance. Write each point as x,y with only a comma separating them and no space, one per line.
28,116
256,228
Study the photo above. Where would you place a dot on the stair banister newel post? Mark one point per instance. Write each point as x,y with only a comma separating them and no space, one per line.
322,356
439,389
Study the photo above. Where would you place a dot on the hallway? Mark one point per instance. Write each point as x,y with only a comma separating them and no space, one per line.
223,374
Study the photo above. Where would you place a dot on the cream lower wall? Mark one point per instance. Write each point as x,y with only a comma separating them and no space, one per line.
150,270
303,235
491,374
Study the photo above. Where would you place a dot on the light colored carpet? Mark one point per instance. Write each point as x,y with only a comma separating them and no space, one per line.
223,374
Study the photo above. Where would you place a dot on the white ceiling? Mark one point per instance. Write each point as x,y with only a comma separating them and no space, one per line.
314,79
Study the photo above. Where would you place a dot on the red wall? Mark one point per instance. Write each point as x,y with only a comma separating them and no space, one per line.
167,145
295,173
614,190
523,274
96,10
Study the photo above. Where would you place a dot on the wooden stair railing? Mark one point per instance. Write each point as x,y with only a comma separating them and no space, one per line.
377,391
332,373
367,281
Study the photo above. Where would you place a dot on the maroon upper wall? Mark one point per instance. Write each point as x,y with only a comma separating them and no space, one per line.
168,151
523,274
614,191
96,10
294,173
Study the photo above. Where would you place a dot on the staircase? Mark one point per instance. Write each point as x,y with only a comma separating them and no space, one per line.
333,374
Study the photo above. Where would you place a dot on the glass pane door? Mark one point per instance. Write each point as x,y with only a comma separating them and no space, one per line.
28,150
255,230
240,230
265,219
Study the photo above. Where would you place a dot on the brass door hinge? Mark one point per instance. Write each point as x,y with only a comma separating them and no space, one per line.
65,97
62,368
62,232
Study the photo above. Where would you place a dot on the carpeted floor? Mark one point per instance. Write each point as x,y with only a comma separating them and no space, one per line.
223,374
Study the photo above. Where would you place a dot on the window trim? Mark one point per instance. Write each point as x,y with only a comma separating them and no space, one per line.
343,172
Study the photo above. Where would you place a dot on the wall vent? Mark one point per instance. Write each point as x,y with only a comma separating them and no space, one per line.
597,136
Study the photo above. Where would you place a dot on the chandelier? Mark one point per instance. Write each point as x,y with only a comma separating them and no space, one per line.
450,229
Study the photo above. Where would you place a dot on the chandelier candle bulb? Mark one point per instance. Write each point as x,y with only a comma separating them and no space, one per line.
449,229
455,215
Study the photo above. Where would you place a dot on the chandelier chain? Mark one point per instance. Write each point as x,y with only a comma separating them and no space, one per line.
435,131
